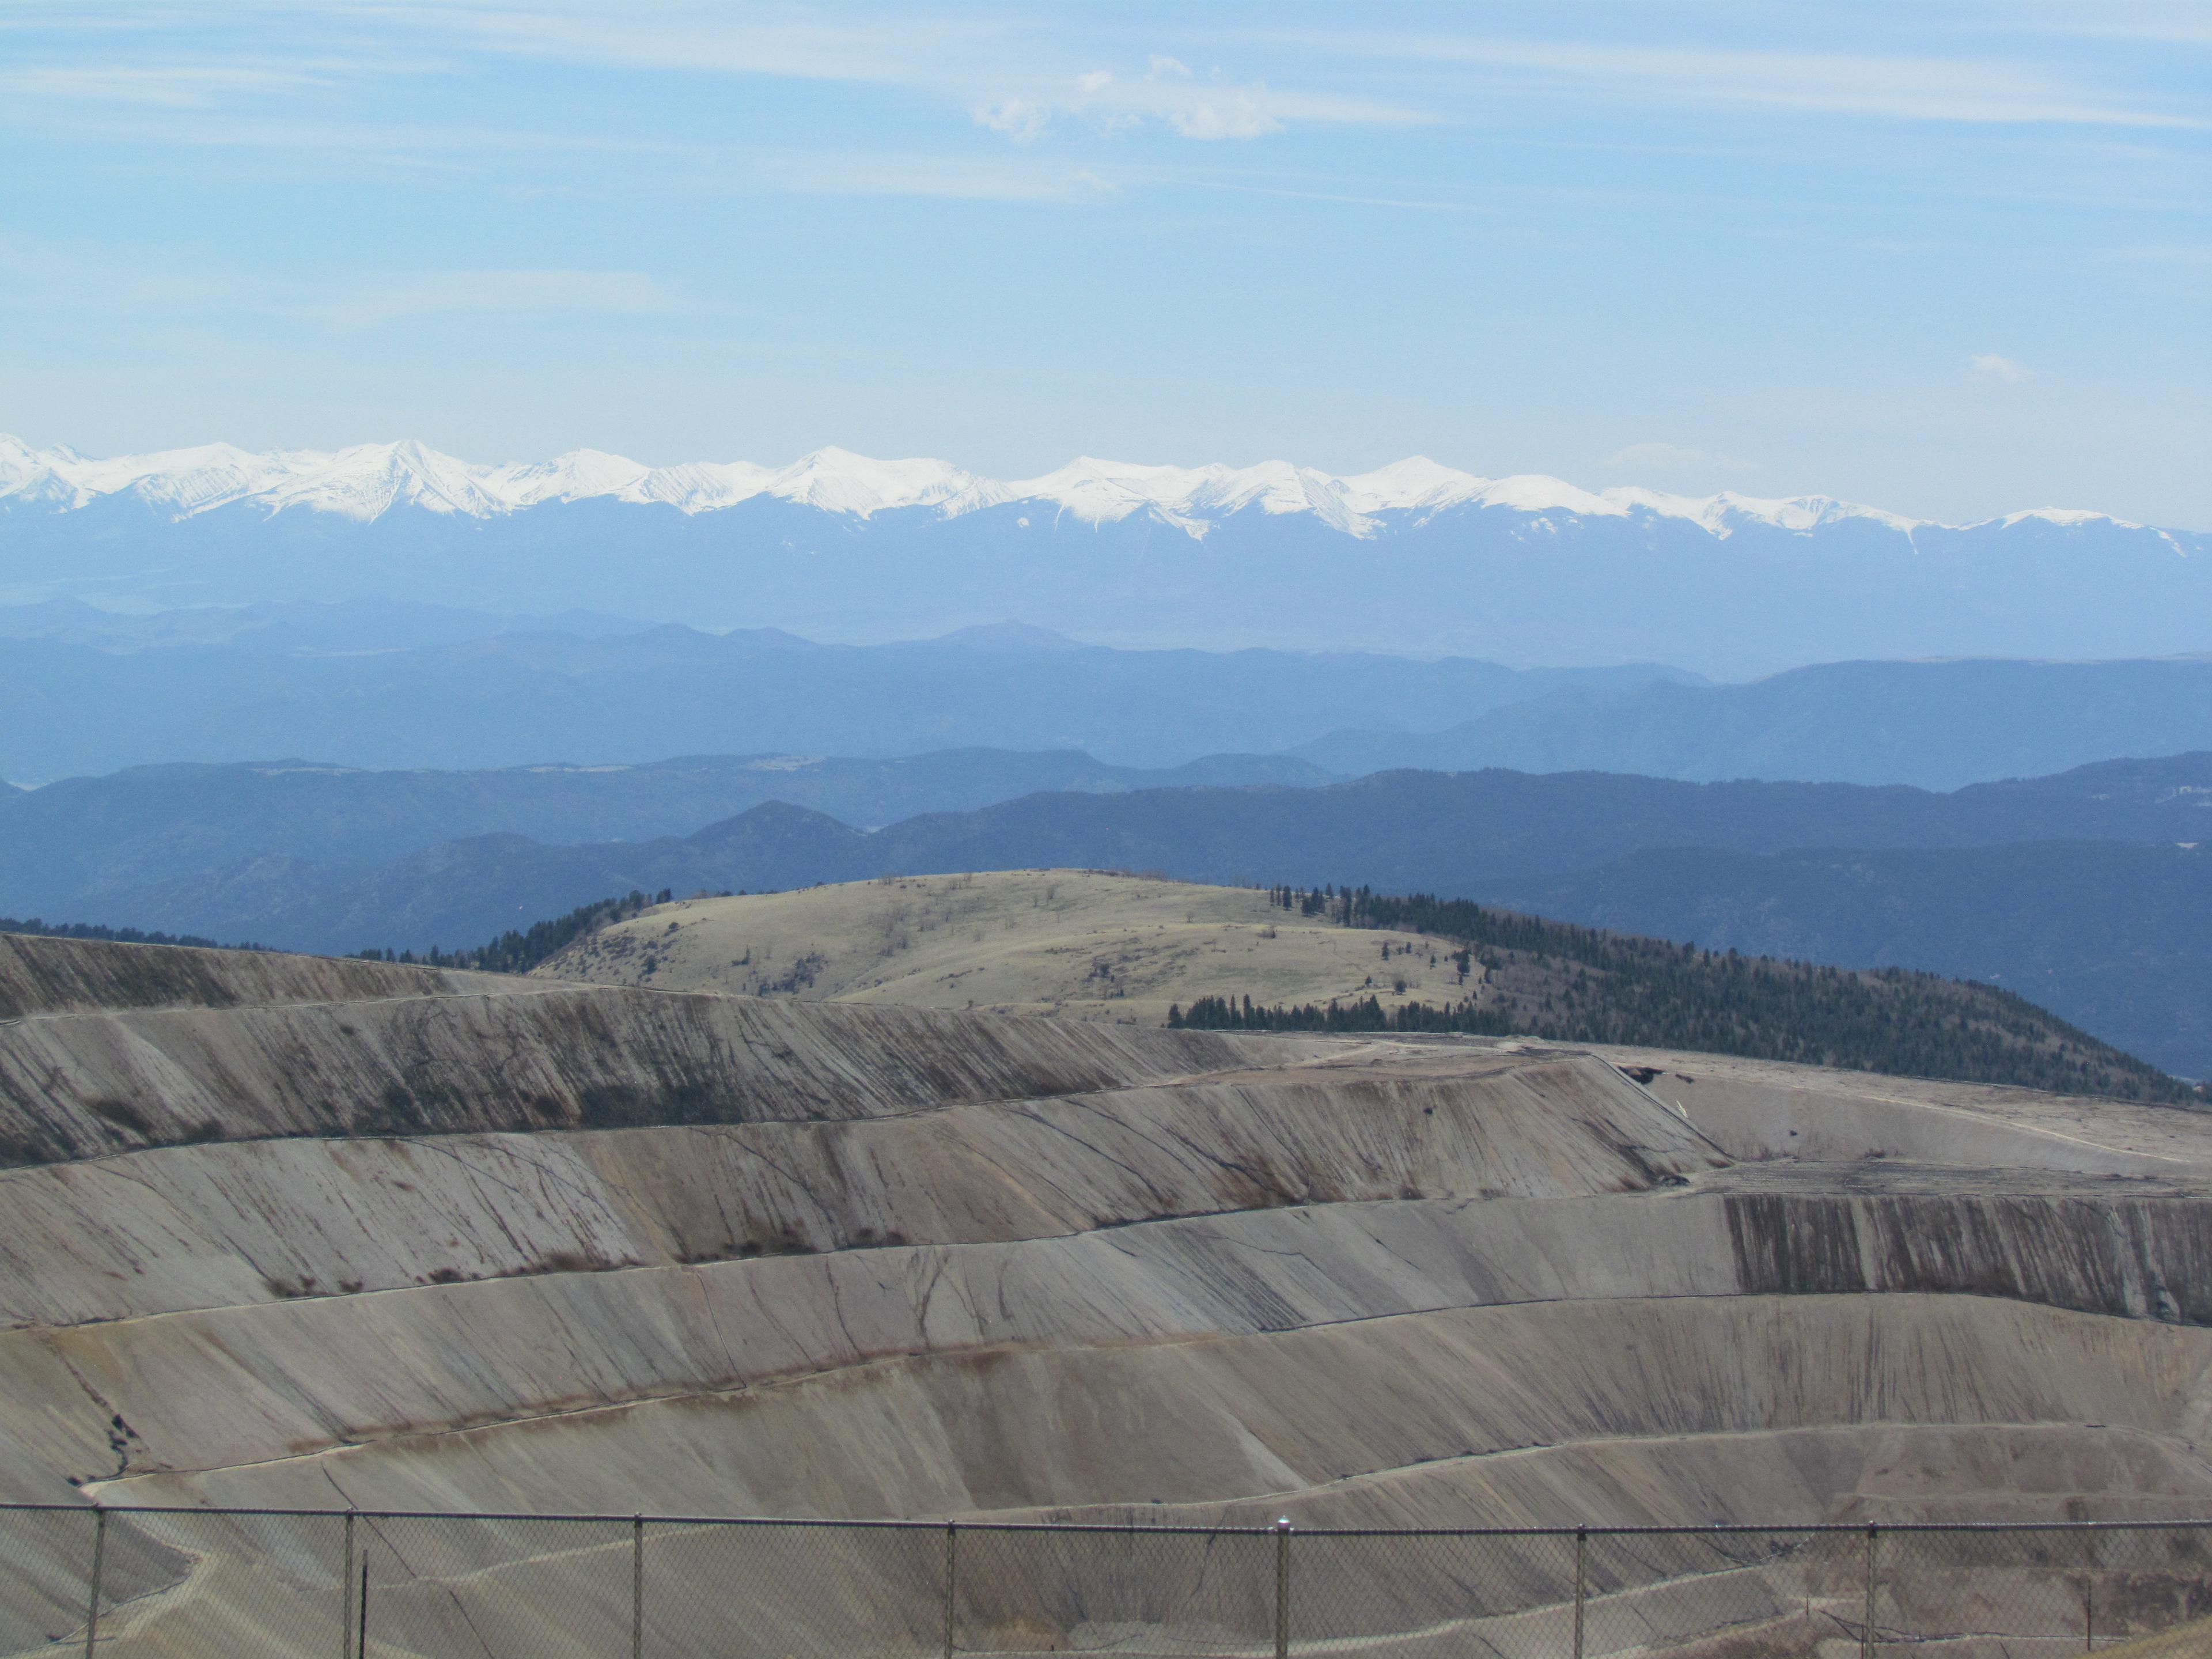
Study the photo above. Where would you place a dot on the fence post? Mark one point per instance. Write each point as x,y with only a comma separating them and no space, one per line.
1582,1583
952,1579
99,1560
637,1587
1866,1631
345,1595
2089,1593
1283,1588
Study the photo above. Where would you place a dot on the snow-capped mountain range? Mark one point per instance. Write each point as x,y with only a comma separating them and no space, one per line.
1413,558
365,480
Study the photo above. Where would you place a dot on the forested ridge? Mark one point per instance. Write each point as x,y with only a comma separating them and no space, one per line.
1555,980
518,950
115,935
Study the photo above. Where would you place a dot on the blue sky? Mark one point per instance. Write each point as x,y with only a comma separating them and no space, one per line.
1950,258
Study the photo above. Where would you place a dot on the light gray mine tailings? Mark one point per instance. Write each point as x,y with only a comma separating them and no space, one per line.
297,1233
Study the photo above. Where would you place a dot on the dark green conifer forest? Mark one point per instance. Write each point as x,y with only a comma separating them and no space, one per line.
1554,980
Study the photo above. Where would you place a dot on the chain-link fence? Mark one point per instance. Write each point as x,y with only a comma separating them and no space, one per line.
179,1583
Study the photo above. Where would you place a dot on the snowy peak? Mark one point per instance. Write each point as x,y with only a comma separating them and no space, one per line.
1725,513
368,480
838,481
2067,517
365,480
1416,485
1102,492
577,476
1192,498
29,475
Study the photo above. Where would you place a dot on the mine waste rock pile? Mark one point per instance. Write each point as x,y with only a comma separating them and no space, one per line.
289,1232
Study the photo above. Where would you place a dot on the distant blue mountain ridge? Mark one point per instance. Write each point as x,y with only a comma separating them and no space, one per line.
388,684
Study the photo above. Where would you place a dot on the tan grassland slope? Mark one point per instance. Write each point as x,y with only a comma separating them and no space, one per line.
289,1233
1076,944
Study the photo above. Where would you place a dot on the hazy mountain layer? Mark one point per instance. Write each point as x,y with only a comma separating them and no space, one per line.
346,686
409,685
308,856
153,824
1938,725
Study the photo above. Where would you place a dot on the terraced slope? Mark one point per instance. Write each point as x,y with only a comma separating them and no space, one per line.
710,1255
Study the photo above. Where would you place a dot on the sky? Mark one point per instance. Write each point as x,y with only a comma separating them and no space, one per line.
1952,257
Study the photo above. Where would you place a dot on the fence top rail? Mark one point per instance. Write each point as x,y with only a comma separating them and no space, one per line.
1794,1530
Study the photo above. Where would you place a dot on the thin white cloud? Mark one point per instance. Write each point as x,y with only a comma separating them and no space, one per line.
51,276
998,69
952,178
164,86
2165,253
894,49
1240,113
2160,23
985,68
988,68
1998,370
1889,87
1349,198
1195,111
702,166
1168,94
124,280
1021,119
514,293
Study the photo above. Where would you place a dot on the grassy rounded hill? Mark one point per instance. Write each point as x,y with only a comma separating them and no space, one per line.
1082,943
1104,945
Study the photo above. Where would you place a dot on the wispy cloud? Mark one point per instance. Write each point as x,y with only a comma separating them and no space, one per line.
952,178
1021,119
176,86
44,277
1988,366
1168,94
1344,198
1008,69
122,282
1977,90
508,293
992,69
694,38
2160,23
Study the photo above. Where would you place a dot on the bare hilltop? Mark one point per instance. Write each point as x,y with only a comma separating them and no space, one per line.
1144,949
1077,943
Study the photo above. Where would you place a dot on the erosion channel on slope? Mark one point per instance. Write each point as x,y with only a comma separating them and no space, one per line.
284,1232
